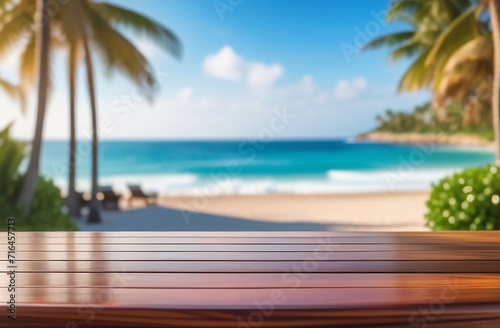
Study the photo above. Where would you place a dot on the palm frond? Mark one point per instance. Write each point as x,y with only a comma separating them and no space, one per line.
9,88
447,10
417,76
402,7
476,50
460,31
27,64
389,40
408,49
71,23
14,31
142,25
15,92
466,70
118,52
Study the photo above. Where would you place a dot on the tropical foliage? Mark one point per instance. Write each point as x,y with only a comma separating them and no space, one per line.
75,27
47,203
424,119
469,200
452,45
13,91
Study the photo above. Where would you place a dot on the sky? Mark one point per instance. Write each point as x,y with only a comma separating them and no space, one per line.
274,69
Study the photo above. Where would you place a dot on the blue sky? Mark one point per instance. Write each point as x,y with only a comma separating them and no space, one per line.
244,63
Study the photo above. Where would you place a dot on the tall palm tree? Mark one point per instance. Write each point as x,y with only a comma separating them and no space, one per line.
426,20
494,7
72,201
470,47
78,22
119,54
31,178
94,215
461,58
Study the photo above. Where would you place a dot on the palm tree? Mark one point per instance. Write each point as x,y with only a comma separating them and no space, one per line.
72,201
426,20
470,50
72,22
494,7
94,215
31,178
458,62
121,54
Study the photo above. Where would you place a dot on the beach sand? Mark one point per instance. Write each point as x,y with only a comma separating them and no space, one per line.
399,211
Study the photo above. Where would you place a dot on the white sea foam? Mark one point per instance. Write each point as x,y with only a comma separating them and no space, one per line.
390,180
335,181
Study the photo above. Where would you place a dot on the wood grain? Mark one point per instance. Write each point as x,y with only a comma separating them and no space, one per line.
306,265
388,255
250,279
339,239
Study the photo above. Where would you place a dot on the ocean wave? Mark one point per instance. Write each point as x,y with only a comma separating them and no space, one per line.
162,183
335,181
391,180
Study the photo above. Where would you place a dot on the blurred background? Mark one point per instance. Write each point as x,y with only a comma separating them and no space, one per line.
249,115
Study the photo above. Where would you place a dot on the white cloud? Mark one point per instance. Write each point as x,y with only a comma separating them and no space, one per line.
261,77
348,89
185,94
225,64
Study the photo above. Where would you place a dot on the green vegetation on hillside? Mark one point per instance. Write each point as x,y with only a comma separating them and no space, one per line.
454,48
423,119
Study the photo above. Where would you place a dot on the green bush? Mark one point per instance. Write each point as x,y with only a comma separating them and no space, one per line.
46,213
469,200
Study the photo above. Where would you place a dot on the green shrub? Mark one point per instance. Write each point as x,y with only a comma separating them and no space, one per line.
46,213
469,200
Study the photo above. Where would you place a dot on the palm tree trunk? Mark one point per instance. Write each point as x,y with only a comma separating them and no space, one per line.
31,179
72,200
494,6
94,215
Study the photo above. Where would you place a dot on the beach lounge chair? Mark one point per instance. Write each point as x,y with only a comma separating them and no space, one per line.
109,199
82,200
136,192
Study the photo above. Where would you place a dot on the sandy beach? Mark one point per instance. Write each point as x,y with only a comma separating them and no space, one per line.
401,211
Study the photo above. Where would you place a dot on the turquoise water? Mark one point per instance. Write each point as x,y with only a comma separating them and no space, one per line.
248,167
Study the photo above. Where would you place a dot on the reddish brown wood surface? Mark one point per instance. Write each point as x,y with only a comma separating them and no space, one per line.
254,279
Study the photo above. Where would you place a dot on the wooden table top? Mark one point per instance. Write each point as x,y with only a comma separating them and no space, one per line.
253,279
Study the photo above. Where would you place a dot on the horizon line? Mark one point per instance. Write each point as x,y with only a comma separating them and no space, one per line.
291,139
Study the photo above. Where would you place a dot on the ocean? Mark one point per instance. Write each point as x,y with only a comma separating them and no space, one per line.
251,167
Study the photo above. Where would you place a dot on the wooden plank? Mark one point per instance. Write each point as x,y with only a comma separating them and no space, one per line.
490,239
250,247
217,279
315,298
452,316
257,256
308,265
252,280
259,234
